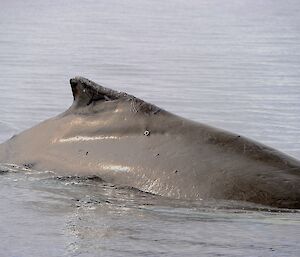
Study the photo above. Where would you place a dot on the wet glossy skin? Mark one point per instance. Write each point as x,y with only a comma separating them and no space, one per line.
129,142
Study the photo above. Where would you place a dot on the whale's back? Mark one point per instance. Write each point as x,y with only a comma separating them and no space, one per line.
130,142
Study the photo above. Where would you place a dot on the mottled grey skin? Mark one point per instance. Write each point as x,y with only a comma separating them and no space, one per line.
129,142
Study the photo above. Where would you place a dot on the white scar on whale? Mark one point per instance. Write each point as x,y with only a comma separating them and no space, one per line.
116,168
83,138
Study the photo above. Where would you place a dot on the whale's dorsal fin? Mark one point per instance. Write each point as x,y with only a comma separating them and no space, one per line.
86,92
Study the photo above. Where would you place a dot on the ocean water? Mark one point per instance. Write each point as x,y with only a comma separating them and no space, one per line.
232,64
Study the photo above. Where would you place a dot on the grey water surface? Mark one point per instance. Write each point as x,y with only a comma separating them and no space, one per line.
232,64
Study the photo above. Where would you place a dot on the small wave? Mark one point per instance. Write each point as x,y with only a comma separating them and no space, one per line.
8,167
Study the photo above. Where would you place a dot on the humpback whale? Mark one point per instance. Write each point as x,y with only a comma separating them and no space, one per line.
129,142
